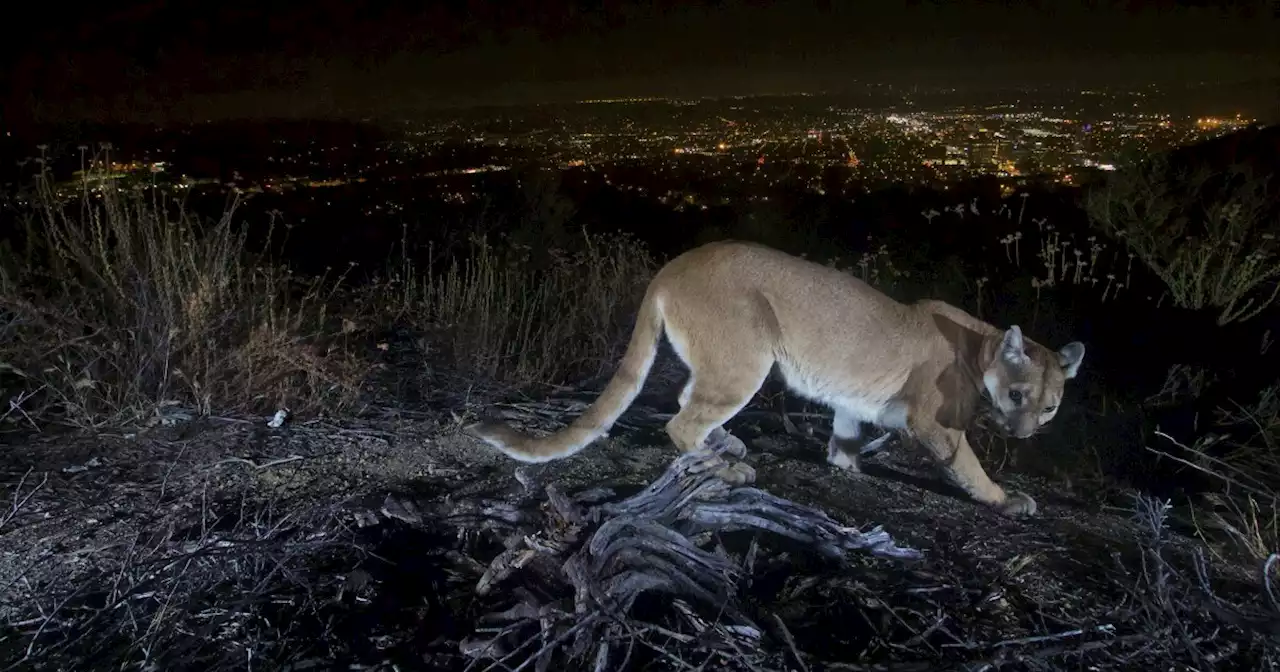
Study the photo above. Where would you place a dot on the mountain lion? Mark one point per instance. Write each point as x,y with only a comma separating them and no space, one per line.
732,309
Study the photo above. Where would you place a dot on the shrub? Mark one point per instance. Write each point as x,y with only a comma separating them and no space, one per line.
121,302
1209,237
1240,455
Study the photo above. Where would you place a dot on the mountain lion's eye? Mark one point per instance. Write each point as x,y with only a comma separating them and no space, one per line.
1050,409
1015,396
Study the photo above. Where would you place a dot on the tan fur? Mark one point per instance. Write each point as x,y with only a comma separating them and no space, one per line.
732,309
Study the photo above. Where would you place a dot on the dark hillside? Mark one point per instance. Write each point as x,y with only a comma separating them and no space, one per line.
162,518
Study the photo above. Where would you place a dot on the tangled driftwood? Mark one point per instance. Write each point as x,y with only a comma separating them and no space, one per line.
609,555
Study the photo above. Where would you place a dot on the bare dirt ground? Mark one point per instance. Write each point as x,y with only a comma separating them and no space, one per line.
221,543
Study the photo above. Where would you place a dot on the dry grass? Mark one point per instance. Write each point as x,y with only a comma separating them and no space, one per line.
119,302
1242,518
521,315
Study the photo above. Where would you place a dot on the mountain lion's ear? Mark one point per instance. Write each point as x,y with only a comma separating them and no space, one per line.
1012,348
1070,357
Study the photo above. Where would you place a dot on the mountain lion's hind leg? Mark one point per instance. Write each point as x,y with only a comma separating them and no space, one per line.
950,447
720,389
721,384
707,402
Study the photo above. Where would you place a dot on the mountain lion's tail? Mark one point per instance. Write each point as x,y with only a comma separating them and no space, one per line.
600,416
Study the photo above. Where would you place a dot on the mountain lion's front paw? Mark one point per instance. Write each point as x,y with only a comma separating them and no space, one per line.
737,474
1018,504
840,457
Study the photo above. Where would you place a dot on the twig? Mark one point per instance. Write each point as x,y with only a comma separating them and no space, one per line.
1257,490
20,502
1105,629
255,465
16,405
791,641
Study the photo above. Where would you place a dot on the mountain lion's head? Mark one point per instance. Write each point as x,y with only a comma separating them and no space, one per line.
1025,384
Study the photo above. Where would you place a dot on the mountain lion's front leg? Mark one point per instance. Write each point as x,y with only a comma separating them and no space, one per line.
950,447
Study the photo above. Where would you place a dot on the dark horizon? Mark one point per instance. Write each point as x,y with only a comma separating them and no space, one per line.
163,61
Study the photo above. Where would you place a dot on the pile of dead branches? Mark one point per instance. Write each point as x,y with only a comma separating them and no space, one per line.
579,581
1184,615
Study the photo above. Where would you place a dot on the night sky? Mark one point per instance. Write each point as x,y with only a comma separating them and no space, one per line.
168,60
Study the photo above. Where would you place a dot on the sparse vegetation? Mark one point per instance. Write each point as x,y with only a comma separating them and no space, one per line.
119,304
1240,517
1211,237
120,308
517,314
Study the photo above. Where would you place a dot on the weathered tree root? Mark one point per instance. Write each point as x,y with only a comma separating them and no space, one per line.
651,541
